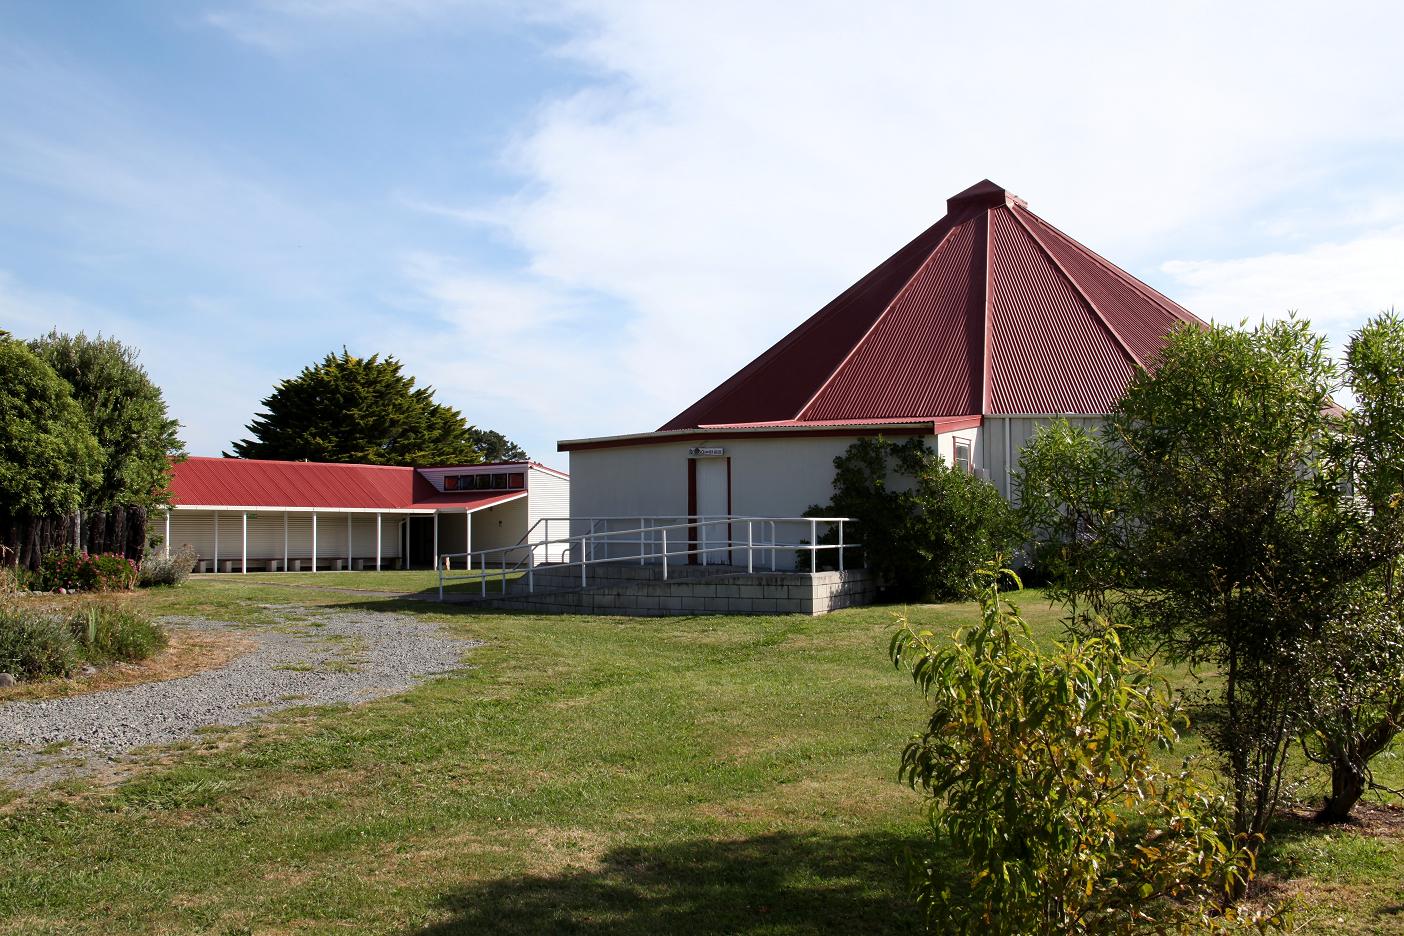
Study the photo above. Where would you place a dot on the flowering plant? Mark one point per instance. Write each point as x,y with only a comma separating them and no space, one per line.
70,570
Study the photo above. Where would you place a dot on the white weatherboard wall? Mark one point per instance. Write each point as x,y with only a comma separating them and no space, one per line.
770,477
1001,435
548,498
493,527
196,527
773,476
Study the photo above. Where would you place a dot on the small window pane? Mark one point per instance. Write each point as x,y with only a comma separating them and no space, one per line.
516,481
499,482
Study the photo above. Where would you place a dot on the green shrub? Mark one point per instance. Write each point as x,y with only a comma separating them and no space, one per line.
1042,775
168,570
926,529
72,571
9,581
109,633
33,645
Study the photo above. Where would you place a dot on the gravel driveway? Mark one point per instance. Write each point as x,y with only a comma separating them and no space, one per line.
318,657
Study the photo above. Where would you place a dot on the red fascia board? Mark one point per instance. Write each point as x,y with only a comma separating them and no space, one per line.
476,501
863,428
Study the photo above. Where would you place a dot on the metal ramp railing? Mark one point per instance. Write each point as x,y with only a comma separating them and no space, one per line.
693,539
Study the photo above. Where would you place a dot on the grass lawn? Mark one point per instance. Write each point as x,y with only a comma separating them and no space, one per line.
585,774
402,582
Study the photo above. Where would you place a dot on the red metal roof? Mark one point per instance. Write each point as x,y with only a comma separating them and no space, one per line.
989,311
243,482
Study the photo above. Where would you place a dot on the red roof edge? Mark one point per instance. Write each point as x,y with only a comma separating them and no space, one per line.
776,430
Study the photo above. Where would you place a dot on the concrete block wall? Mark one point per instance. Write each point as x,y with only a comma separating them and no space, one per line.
739,593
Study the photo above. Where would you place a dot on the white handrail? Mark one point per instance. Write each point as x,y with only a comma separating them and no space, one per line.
646,535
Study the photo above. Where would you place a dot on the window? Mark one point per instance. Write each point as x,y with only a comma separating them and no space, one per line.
450,482
516,481
962,454
499,482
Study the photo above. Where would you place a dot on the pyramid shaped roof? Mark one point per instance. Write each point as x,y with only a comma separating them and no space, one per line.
990,311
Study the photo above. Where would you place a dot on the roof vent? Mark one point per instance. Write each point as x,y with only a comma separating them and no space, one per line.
983,194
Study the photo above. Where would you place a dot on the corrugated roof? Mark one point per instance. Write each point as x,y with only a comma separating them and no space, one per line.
244,482
989,311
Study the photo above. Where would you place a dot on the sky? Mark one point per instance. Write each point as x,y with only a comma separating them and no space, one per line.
573,219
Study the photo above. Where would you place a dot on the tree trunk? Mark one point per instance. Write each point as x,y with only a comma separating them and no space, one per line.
1347,786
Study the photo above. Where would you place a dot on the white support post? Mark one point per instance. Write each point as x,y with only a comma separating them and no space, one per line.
813,546
215,568
377,542
840,545
583,553
435,515
531,571
664,531
348,543
750,546
168,534
642,540
468,537
244,551
285,542
314,541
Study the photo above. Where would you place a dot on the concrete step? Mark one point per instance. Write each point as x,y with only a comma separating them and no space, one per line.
722,591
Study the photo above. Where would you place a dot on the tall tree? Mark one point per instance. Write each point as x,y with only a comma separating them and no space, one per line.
1206,518
1357,697
49,457
354,409
125,411
495,447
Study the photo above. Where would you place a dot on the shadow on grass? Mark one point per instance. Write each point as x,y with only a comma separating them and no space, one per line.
779,883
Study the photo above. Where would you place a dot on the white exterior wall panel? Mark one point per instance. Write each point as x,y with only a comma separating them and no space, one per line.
548,503
1007,436
196,527
775,476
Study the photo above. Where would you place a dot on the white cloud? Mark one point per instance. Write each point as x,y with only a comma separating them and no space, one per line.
738,164
1337,286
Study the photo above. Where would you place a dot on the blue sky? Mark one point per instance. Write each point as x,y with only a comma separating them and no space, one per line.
574,218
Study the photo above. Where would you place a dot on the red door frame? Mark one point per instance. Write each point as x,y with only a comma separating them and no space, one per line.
692,508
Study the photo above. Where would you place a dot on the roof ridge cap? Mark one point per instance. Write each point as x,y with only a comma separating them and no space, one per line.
1077,288
945,238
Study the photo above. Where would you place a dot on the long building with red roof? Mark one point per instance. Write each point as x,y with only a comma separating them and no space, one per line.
981,328
242,514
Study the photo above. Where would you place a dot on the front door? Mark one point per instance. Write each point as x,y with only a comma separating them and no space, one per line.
712,499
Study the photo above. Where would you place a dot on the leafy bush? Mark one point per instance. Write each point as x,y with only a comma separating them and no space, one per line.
168,570
108,633
74,571
1232,516
926,529
33,645
1042,775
